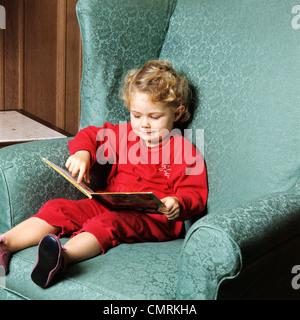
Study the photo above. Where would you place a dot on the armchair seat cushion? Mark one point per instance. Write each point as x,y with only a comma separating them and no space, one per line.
136,271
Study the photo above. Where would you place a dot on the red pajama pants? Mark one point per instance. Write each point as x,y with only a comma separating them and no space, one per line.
109,227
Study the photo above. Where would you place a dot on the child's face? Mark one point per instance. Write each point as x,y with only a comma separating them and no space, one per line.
152,121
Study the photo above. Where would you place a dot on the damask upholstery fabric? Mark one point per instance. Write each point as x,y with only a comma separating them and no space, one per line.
243,60
117,36
248,91
268,277
137,271
236,237
29,182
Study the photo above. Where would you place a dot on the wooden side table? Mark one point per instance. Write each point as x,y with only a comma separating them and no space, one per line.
18,126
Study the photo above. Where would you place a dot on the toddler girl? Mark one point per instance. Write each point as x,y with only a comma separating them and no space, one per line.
147,154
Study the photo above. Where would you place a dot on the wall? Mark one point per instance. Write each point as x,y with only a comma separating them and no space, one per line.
40,61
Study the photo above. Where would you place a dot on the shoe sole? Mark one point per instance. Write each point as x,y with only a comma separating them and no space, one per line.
48,261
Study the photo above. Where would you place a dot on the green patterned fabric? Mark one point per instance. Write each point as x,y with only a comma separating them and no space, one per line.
138,271
243,62
29,181
236,238
117,36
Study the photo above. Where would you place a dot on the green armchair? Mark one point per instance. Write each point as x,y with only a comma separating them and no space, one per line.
243,62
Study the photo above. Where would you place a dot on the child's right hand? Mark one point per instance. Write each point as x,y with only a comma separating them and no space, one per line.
79,162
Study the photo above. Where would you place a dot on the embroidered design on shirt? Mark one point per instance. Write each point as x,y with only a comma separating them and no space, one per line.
165,169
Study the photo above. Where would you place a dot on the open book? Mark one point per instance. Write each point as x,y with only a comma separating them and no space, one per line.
140,201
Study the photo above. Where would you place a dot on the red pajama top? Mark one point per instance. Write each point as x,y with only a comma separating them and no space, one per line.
173,168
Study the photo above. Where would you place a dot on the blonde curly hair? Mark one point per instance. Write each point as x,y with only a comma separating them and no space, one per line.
162,83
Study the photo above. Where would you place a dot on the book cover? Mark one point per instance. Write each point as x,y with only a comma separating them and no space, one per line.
137,201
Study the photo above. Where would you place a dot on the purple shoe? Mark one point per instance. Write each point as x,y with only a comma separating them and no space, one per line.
5,256
50,260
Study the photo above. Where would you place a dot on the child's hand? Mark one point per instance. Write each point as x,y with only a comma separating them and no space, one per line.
79,162
171,209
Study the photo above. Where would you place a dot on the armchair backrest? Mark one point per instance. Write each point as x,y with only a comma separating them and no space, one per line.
243,58
117,35
243,61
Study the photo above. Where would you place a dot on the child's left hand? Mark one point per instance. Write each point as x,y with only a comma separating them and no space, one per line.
171,209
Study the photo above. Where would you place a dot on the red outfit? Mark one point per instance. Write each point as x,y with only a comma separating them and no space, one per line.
173,168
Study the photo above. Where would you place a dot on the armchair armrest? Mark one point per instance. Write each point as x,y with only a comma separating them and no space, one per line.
27,182
219,245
